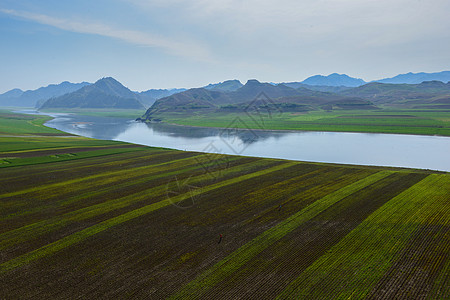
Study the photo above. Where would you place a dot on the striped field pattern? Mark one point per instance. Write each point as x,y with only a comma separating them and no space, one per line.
81,218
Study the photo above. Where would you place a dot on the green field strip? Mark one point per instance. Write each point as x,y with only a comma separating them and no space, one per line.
74,146
22,234
25,144
8,163
85,233
127,156
87,179
351,268
238,258
74,168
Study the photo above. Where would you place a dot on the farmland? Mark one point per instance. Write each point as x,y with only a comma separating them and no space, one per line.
101,219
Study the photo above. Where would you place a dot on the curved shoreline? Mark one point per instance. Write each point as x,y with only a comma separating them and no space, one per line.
289,155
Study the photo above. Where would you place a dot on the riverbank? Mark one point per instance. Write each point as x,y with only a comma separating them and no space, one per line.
416,122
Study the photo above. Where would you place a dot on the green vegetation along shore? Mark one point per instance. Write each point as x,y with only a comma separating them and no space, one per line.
422,122
83,218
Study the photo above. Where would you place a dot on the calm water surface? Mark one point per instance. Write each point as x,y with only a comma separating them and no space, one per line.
413,151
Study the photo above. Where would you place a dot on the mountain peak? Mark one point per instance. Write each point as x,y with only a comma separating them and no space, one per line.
334,79
108,79
226,86
104,93
111,86
252,82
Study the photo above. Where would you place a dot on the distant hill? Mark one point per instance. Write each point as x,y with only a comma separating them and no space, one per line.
17,97
415,78
334,80
406,95
105,93
253,88
14,93
226,86
149,97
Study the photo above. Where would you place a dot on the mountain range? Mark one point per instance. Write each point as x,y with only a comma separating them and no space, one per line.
337,82
263,96
415,78
255,94
227,92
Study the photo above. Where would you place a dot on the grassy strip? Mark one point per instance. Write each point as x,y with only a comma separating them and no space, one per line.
353,266
15,162
244,254
13,123
64,147
83,234
38,143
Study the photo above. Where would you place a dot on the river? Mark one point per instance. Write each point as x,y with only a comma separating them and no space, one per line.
396,150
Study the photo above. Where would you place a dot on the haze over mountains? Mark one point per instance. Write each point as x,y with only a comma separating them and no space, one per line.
109,93
415,78
343,80
17,97
97,92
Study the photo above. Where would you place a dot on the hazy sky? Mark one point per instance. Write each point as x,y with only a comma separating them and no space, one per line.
176,43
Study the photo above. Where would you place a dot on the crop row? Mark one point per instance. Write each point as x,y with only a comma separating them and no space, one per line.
353,267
